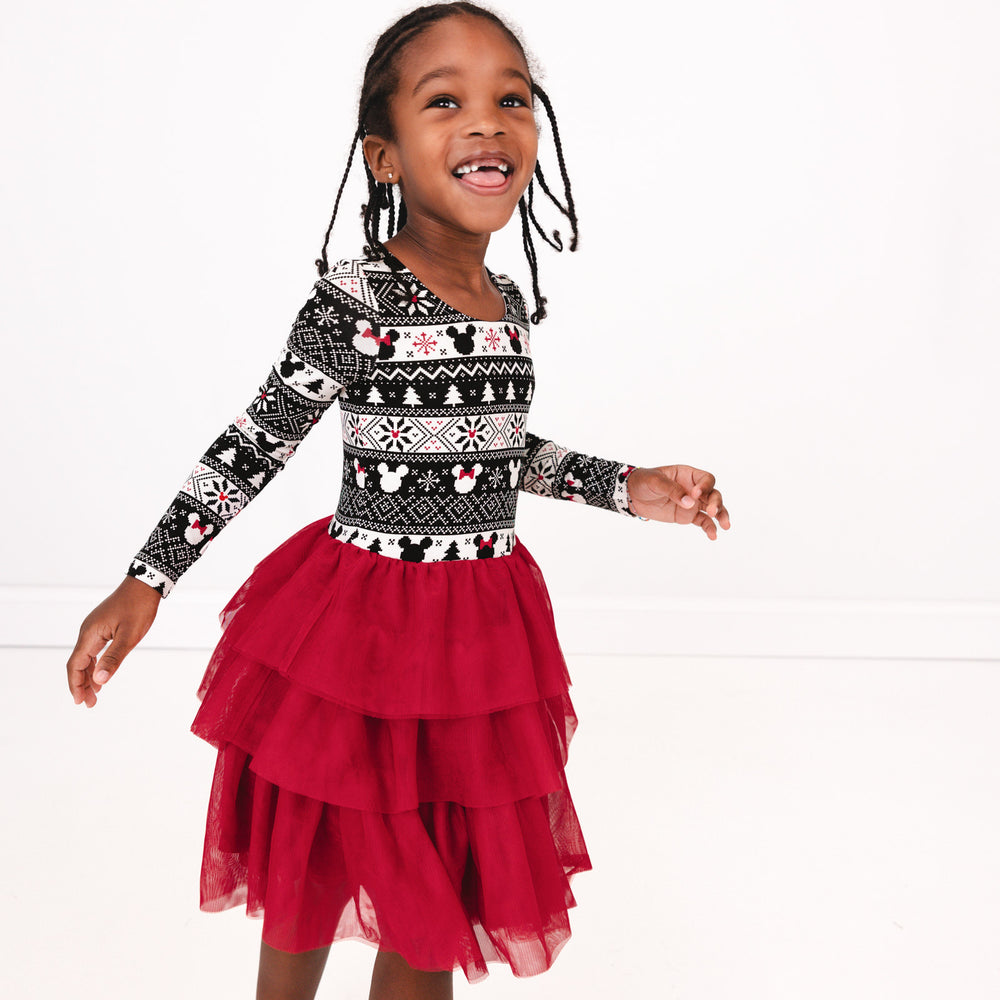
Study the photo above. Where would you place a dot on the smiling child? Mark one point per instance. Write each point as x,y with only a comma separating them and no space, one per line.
389,701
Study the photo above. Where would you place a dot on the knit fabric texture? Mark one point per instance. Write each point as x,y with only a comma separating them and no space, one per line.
433,409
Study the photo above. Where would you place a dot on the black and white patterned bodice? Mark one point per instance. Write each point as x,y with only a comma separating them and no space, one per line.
433,409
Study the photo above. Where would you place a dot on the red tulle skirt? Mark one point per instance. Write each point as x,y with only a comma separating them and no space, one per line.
391,744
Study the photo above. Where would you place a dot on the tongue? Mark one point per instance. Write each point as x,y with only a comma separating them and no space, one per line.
488,178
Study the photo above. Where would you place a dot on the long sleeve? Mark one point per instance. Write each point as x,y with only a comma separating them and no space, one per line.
550,470
332,344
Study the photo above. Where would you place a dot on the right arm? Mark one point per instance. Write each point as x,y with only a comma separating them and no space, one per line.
330,347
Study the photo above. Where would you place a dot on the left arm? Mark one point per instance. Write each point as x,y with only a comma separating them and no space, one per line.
678,494
551,470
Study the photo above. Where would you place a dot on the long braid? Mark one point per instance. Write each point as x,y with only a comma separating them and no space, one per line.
529,251
570,209
555,241
545,187
321,262
372,212
391,203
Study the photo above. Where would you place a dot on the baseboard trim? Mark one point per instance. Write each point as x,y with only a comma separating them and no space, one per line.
49,617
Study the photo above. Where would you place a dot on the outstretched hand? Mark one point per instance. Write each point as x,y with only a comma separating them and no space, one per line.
679,494
122,619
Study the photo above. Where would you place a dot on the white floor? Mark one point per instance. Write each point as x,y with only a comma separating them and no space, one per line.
774,829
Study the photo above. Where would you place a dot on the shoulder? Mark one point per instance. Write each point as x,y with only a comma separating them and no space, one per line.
512,293
349,281
372,282
506,282
336,329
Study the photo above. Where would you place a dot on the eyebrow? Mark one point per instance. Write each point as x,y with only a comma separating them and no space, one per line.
442,71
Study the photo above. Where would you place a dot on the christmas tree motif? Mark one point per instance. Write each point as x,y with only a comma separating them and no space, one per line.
411,398
454,396
375,396
510,391
488,396
451,552
527,395
376,546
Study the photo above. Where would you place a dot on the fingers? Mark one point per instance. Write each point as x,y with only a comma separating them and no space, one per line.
699,503
723,518
704,483
85,673
112,659
79,667
707,525
668,488
122,619
80,684
713,506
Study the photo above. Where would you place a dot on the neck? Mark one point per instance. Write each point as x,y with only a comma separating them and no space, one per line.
446,257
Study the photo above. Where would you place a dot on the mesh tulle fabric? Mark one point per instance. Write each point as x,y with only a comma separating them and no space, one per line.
391,744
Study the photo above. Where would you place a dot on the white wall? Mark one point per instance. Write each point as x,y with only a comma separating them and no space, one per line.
803,298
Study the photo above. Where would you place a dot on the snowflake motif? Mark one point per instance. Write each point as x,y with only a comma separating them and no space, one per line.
393,433
411,298
496,477
424,343
516,429
220,500
427,480
266,398
493,338
355,429
328,316
470,430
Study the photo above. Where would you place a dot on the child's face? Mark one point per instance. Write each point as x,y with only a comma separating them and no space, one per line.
464,94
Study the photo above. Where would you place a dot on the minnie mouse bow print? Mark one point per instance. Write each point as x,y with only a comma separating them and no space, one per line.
196,532
371,340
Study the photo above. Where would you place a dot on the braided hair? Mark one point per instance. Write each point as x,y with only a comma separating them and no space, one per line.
380,81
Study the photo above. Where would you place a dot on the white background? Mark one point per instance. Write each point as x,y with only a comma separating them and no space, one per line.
787,275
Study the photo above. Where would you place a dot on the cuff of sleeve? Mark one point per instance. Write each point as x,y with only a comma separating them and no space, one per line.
141,570
621,491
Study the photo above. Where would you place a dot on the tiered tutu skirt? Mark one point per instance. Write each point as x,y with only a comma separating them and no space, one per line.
391,740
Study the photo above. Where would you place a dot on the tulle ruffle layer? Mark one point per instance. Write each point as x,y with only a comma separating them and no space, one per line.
363,792
445,885
438,639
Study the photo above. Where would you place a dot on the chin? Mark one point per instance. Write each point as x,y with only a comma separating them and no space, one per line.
492,222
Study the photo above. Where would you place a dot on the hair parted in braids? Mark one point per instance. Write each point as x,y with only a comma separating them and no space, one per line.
380,81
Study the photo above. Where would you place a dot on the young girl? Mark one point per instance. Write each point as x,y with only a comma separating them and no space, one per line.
389,700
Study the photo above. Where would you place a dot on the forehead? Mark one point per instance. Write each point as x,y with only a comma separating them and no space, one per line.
462,45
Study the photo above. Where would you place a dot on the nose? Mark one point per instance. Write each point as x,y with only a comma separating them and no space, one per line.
484,120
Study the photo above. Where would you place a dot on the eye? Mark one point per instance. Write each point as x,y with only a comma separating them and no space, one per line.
442,101
513,101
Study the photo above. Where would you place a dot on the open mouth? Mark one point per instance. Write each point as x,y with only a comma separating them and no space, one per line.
484,173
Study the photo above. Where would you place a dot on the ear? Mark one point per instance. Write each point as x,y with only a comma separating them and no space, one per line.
378,154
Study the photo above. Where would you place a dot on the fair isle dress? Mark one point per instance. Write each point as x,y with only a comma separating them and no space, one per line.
389,700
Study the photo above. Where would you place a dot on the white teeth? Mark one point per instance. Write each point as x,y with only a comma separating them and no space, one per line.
469,168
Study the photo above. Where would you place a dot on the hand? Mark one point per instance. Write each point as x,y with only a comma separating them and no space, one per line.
678,494
122,619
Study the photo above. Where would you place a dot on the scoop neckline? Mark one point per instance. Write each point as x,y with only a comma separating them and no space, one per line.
508,313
